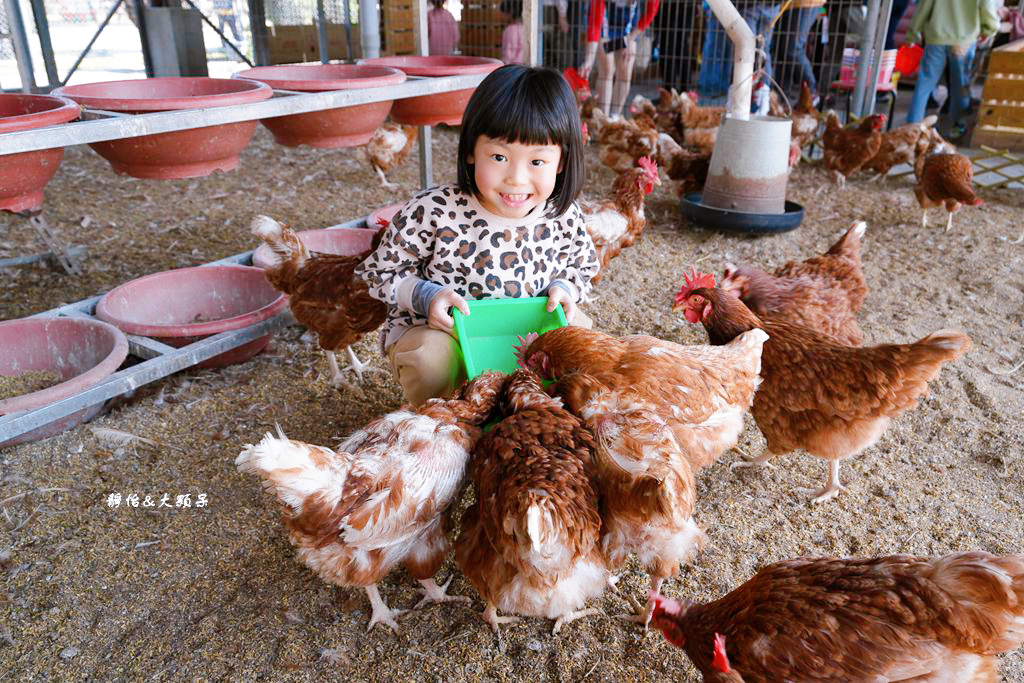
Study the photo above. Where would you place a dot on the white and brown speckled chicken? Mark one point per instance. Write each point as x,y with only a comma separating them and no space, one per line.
382,497
622,142
896,618
900,145
323,293
530,542
617,221
646,484
388,147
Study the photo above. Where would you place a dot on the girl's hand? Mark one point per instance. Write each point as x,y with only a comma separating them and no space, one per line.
438,316
557,295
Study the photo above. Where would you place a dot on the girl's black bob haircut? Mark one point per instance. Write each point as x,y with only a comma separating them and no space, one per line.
532,106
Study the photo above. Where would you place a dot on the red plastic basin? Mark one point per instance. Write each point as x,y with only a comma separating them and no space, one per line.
24,175
447,107
185,305
178,154
342,241
82,351
340,127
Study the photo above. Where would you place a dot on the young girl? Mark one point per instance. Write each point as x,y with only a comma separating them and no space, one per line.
510,227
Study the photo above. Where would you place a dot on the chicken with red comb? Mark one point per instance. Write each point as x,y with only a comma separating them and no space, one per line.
895,618
817,392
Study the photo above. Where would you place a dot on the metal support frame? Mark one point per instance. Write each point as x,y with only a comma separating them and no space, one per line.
125,126
96,35
869,62
426,133
321,32
531,31
20,41
220,33
258,26
162,360
45,44
881,28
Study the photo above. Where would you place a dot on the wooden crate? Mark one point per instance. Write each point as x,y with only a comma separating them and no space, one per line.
396,27
481,28
1001,115
294,44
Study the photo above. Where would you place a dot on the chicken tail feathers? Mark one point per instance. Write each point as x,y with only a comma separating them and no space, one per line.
948,344
285,244
990,588
294,471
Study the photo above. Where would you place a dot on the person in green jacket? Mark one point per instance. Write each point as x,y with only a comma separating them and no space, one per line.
950,29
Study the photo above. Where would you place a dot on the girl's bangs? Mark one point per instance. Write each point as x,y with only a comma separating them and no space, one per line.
526,123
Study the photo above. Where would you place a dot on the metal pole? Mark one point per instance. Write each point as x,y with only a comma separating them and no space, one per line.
347,14
422,47
147,58
881,29
867,43
20,41
531,28
321,32
45,44
369,27
258,26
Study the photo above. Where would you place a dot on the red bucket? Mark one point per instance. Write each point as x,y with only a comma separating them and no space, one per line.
908,59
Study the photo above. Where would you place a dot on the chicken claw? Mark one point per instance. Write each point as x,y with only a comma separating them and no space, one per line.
762,460
490,615
833,488
434,593
382,614
573,616
357,366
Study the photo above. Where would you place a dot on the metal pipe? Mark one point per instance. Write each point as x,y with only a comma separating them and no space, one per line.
346,12
531,29
258,26
21,50
369,27
147,57
743,57
881,28
45,44
867,42
224,39
321,33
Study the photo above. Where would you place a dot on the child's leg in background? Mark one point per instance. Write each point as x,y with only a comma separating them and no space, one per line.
426,363
605,74
932,64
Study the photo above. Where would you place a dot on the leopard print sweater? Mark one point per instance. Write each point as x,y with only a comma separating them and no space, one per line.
447,237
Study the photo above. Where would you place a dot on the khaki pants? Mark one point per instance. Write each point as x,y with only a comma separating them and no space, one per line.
427,363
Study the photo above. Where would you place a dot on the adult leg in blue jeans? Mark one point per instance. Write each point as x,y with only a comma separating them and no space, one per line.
759,19
715,63
932,64
798,48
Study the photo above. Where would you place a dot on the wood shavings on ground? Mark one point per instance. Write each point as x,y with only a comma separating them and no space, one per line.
85,575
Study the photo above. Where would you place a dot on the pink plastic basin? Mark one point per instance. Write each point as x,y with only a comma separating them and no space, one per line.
24,175
82,351
447,107
340,127
385,213
178,154
181,306
342,241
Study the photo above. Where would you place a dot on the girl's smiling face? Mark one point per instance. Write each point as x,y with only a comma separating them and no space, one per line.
514,178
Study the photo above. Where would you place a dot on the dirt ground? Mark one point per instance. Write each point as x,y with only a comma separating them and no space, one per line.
214,593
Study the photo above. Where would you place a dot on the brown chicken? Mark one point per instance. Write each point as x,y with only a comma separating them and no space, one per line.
618,221
689,169
824,292
817,393
323,293
944,179
896,618
700,392
668,117
694,116
529,543
388,147
806,118
621,143
900,145
646,484
382,498
848,149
